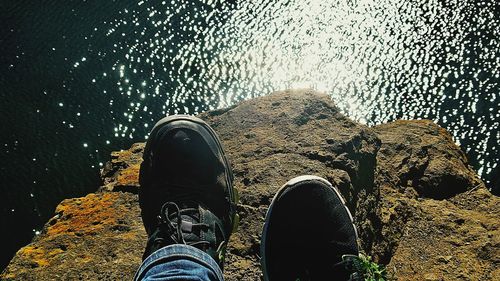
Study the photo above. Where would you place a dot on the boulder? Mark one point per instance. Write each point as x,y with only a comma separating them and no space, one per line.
439,222
420,209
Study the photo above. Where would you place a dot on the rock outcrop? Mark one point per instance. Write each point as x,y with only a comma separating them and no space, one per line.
418,206
438,220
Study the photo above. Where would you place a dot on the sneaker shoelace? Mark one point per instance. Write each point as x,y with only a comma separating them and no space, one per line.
171,222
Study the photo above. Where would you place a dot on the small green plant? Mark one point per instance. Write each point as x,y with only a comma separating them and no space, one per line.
371,270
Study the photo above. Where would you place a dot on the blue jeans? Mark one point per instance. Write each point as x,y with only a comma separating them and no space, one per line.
180,263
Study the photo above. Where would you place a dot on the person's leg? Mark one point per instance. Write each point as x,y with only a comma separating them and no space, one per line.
308,234
179,262
187,201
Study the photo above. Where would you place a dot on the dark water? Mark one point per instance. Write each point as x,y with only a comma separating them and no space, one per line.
79,79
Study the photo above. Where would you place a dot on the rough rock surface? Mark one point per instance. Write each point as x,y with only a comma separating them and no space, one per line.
96,237
439,222
419,207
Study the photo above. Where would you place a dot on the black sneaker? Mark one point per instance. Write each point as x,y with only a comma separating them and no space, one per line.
309,234
186,193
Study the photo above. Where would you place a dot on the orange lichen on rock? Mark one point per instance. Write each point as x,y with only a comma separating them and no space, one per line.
129,176
84,215
79,242
37,255
122,172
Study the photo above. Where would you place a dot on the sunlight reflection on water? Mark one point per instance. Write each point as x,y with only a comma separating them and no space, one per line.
379,60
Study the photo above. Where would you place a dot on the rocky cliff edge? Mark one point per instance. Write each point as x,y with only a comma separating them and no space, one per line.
420,209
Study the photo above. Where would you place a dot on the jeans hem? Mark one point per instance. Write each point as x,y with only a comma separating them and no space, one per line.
176,252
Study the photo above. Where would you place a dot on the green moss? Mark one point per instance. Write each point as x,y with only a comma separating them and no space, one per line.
371,270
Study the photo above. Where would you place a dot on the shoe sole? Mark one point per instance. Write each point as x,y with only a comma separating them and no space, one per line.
291,183
233,194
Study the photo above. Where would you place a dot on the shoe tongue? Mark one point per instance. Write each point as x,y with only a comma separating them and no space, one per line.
188,219
188,215
198,224
187,204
